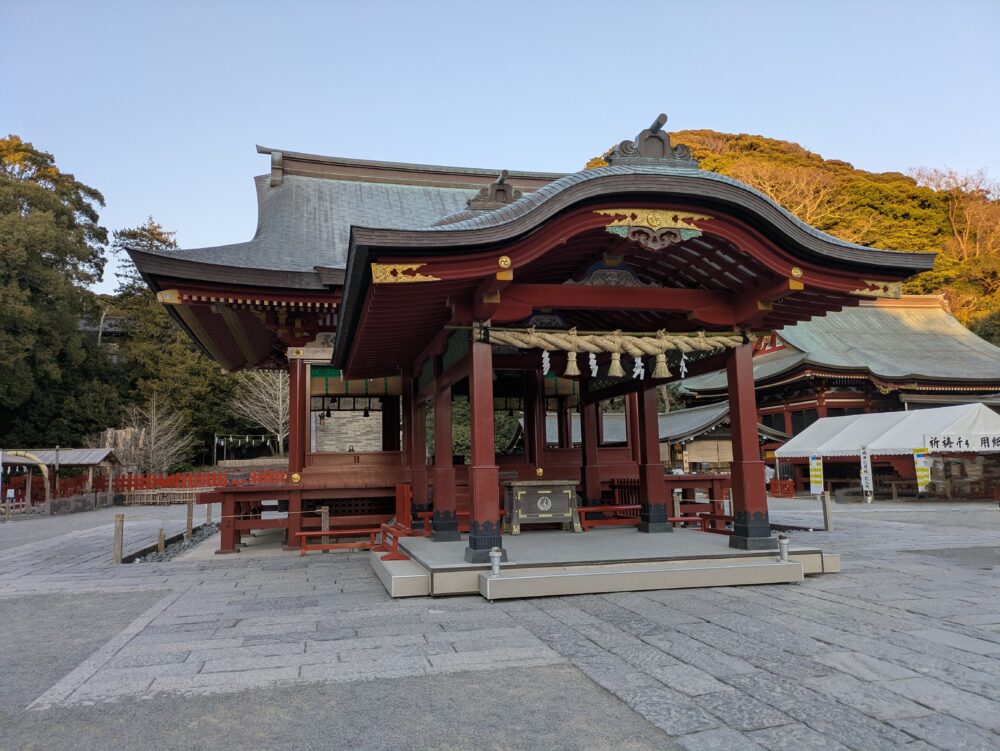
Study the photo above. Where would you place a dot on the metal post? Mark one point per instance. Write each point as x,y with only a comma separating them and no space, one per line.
119,536
190,520
57,471
496,555
208,513
324,515
161,541
783,547
827,513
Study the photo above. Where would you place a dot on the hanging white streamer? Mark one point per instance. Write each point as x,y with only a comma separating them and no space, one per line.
638,368
683,368
593,365
545,362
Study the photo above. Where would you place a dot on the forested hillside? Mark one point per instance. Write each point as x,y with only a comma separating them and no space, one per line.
958,216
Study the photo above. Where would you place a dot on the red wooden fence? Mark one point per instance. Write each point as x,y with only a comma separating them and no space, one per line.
124,483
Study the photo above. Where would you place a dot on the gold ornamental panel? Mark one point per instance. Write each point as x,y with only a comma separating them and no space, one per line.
875,288
400,273
654,219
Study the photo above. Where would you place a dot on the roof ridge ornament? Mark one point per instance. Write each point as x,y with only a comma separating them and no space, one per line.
498,193
652,146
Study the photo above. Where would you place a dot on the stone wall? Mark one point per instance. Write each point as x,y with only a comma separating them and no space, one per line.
343,430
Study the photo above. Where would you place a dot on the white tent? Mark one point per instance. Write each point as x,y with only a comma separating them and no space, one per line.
888,433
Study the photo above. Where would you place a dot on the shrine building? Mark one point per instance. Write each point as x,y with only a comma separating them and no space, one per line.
884,355
398,290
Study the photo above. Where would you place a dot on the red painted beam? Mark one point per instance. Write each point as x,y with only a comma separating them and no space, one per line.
584,297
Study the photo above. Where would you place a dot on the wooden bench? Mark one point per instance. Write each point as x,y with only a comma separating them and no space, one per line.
716,523
305,546
623,515
630,518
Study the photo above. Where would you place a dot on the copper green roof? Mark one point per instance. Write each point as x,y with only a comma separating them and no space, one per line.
912,339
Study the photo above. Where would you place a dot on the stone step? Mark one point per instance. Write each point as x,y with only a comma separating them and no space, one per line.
401,578
600,579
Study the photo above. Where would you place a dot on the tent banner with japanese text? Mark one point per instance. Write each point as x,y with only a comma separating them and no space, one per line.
962,442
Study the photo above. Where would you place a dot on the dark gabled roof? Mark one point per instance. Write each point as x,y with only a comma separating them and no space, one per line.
306,207
914,338
304,224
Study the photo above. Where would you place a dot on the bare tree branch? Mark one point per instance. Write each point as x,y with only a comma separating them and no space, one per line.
262,399
154,439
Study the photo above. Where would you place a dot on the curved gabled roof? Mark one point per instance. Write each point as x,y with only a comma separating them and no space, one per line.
652,180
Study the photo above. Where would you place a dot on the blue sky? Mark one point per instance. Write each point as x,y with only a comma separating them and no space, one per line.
159,104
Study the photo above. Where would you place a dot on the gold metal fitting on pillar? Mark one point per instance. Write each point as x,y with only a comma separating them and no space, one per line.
296,477
505,274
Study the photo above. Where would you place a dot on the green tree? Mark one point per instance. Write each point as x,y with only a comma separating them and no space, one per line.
55,386
988,327
157,357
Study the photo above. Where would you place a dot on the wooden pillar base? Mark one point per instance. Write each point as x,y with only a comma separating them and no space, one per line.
483,537
653,509
751,526
444,526
419,500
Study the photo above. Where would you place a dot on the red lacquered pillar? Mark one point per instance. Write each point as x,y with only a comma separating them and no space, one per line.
484,475
751,528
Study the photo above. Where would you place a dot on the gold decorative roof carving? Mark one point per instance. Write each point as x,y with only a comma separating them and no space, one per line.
400,273
875,288
653,219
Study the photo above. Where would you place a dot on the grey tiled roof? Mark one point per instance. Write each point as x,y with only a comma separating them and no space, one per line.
919,341
67,457
306,221
765,366
674,426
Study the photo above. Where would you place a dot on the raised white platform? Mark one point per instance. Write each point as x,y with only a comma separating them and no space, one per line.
550,562
669,575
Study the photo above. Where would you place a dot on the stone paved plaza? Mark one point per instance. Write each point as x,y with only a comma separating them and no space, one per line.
901,650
